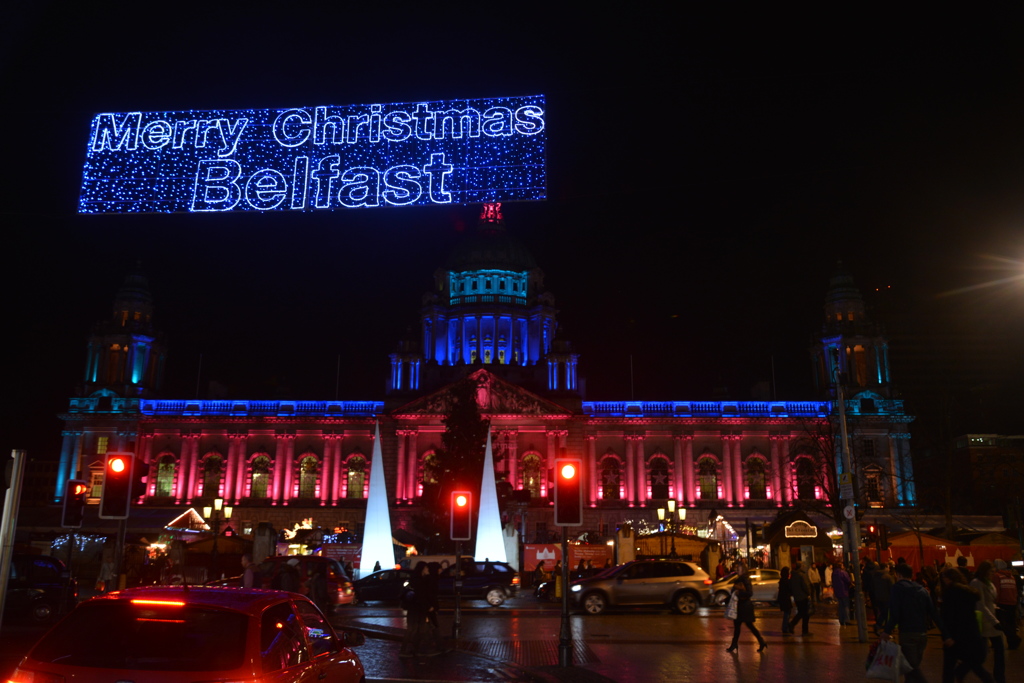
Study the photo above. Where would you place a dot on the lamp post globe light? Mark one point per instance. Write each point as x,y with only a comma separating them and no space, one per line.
214,516
671,518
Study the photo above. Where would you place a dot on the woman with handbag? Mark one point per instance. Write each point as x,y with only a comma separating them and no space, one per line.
742,592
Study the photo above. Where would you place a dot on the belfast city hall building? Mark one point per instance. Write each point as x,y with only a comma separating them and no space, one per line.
489,320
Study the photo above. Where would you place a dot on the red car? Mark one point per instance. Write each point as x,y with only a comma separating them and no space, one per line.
182,634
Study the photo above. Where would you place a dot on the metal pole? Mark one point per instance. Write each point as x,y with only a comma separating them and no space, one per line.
9,522
852,534
564,633
457,624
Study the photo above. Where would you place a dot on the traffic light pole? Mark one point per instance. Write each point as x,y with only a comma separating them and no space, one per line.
9,521
852,534
565,633
457,624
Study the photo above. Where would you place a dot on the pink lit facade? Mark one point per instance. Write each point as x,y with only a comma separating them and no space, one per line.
491,322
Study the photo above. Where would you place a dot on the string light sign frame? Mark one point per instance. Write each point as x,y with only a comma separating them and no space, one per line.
317,158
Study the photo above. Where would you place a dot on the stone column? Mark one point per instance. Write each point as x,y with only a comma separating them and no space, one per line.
549,466
689,476
738,482
339,440
512,455
630,482
776,471
727,470
277,480
594,476
678,487
289,469
327,463
242,471
400,481
787,468
187,475
412,463
641,470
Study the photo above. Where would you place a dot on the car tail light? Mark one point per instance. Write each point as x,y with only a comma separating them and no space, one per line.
165,603
28,676
708,582
515,579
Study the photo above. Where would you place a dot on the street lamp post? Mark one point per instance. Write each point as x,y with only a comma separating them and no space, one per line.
673,518
214,516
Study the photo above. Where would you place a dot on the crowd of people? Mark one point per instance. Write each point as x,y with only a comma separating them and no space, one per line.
974,611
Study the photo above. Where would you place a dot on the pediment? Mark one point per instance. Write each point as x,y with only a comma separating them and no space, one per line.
494,396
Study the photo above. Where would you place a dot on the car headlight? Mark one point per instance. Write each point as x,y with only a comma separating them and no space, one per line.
577,589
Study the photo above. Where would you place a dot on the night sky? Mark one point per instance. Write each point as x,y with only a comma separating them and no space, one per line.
705,176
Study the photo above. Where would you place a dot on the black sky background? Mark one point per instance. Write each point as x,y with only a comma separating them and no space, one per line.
705,176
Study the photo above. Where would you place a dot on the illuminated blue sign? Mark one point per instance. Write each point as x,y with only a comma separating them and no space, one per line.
450,152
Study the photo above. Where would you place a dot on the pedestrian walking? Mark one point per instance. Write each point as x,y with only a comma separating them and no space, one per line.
743,591
964,648
982,582
801,588
418,601
251,577
814,576
911,611
961,565
881,584
842,589
1007,599
316,585
287,579
785,600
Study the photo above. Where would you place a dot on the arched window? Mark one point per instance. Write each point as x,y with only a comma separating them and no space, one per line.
659,478
259,482
806,478
757,485
430,469
531,475
165,476
308,469
213,469
611,478
707,477
355,477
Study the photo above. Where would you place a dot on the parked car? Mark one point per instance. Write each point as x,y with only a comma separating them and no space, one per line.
39,587
676,584
387,585
494,582
765,583
176,634
339,587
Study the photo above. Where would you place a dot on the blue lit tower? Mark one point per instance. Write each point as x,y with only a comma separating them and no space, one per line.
124,363
855,350
852,340
125,354
488,309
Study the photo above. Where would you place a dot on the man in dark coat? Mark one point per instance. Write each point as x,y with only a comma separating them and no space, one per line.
964,648
912,610
801,588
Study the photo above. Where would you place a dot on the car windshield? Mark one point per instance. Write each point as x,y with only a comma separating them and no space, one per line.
116,634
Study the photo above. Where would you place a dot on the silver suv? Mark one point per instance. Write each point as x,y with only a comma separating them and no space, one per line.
677,584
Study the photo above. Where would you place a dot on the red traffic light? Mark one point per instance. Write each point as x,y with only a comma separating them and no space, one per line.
568,492
116,499
75,494
462,516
